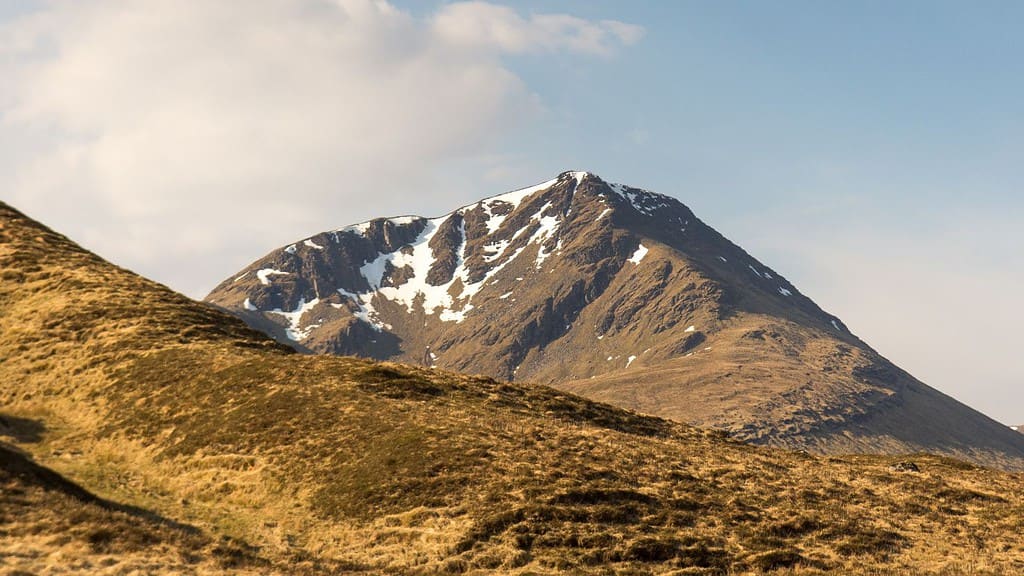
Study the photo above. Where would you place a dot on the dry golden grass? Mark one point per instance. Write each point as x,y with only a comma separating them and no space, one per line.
51,526
345,465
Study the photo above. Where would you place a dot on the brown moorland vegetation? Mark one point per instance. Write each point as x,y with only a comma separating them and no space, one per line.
335,464
51,525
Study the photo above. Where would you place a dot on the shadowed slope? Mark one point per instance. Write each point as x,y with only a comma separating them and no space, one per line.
342,464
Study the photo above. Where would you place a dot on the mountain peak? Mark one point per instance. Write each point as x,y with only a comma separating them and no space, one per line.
643,201
439,265
578,174
607,290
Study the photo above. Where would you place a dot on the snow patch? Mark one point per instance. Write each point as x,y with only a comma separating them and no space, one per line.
265,274
248,305
495,250
420,260
294,331
312,244
494,221
244,274
836,326
638,255
505,295
516,197
784,291
451,301
690,329
722,258
643,201
630,360
357,229
291,249
365,312
548,228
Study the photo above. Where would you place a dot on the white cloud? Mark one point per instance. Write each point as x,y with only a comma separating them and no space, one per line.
482,25
183,138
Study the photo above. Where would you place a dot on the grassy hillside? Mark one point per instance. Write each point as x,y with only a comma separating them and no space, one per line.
51,525
340,464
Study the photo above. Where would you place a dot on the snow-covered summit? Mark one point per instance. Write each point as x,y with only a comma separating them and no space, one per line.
446,268
642,200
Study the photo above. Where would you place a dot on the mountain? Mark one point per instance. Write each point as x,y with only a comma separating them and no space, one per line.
344,465
615,293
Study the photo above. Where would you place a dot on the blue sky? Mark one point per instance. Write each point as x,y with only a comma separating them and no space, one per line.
762,102
872,151
869,151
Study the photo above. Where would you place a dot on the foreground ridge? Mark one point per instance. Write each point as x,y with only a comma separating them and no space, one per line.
343,465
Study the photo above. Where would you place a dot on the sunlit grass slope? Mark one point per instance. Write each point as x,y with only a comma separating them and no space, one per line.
339,464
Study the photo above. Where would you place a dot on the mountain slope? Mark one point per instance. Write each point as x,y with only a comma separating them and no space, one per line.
346,465
615,293
49,524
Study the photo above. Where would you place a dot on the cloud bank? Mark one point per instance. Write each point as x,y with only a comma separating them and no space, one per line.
182,138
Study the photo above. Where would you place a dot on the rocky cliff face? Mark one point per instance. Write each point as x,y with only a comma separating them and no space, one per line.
572,261
617,293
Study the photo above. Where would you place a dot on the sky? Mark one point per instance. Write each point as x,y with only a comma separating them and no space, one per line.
869,151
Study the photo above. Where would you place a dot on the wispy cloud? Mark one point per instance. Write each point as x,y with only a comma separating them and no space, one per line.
486,26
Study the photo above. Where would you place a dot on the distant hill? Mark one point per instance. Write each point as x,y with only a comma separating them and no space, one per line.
615,293
336,465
